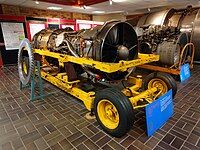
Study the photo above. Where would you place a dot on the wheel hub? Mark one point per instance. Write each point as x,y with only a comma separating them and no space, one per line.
108,114
159,84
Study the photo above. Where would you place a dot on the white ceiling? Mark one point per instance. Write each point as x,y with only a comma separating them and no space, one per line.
127,6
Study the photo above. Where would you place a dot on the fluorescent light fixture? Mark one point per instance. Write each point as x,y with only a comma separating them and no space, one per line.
37,2
98,12
115,12
54,8
119,1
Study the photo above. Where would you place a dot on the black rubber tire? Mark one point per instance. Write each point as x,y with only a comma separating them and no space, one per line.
168,79
123,106
25,78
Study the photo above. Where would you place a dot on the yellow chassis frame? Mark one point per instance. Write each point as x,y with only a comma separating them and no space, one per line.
61,79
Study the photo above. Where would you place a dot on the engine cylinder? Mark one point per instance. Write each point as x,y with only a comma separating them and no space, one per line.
169,51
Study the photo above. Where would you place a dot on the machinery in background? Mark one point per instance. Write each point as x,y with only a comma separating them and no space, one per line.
185,20
170,44
81,62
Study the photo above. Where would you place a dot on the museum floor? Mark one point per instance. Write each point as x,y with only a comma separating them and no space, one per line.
58,122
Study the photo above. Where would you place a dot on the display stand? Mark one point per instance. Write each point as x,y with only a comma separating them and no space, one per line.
36,81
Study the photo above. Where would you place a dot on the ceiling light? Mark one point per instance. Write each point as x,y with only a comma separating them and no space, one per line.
37,2
54,8
110,1
119,1
98,12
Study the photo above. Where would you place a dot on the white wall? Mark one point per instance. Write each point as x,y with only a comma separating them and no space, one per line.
107,17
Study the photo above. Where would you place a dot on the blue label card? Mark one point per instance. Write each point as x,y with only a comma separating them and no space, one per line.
185,72
158,112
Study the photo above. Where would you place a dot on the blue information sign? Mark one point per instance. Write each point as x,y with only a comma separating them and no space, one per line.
158,112
185,72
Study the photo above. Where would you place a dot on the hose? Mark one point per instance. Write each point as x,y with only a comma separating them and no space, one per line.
72,51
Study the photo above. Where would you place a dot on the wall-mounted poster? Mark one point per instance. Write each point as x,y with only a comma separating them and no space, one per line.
13,34
84,26
35,28
53,26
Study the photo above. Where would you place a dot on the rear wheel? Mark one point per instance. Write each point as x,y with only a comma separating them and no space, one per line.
113,111
164,82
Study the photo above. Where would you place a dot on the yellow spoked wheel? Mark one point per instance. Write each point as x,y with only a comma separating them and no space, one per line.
164,82
160,84
108,114
113,111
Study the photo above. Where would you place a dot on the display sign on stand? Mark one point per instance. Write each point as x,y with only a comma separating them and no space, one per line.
158,112
185,72
13,33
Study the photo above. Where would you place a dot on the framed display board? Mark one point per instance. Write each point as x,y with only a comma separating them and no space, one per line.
35,28
84,26
13,34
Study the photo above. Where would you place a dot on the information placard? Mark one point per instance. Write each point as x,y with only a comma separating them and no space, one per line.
158,112
185,72
13,34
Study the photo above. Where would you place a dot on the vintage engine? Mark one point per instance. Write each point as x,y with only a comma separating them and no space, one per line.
186,19
165,41
111,42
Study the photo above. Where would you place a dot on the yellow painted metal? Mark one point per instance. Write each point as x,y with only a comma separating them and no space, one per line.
70,88
105,67
143,95
25,67
160,84
61,79
108,114
131,91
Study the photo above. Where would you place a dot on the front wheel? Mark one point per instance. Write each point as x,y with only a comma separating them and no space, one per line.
163,81
113,111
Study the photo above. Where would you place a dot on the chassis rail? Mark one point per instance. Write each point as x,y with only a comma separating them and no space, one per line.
61,79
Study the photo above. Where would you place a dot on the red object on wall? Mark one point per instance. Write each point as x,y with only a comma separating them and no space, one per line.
12,18
75,2
64,22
